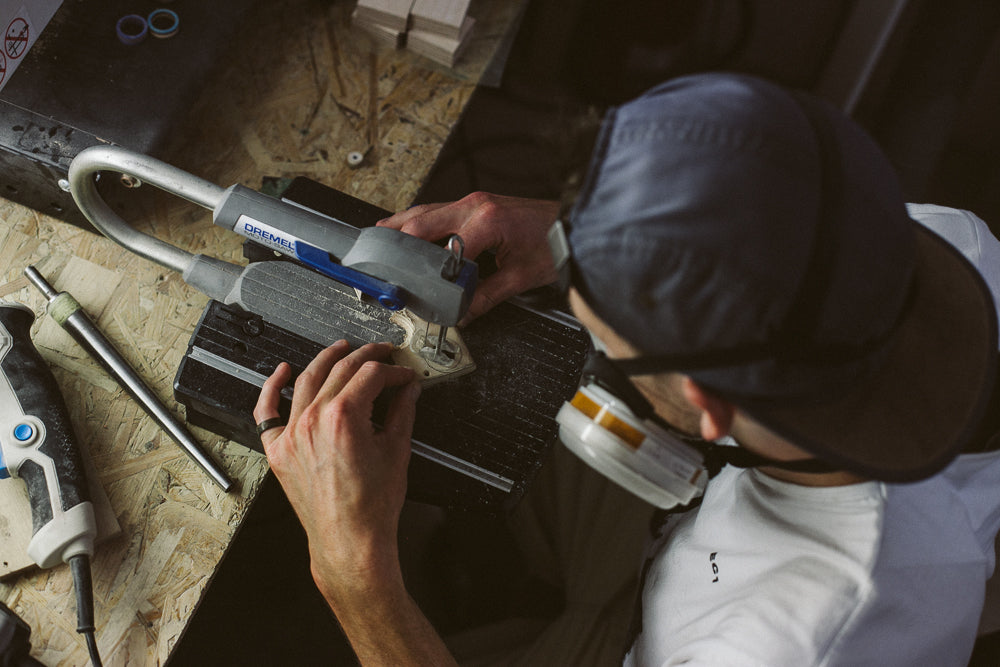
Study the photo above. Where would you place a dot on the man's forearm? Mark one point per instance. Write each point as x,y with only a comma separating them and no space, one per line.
388,628
346,481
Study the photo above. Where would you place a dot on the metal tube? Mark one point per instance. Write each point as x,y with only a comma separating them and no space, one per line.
83,187
65,310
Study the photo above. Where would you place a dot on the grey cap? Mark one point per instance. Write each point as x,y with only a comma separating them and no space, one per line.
759,241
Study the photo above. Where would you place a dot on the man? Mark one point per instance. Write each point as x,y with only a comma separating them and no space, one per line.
745,260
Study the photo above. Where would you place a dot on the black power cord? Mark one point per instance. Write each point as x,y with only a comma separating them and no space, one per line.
84,587
15,644
15,634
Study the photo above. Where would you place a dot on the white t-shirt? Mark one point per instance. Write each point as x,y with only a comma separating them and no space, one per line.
770,573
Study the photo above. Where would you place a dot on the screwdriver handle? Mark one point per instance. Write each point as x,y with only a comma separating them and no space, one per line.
38,445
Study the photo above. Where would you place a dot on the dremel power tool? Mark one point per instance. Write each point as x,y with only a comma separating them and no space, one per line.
385,265
38,445
478,437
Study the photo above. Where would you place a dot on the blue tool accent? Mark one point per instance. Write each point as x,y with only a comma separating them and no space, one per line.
4,473
24,432
468,277
387,294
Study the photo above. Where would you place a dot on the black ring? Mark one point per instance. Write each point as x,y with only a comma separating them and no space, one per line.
269,424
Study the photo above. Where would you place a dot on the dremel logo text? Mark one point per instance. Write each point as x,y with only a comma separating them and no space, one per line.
266,235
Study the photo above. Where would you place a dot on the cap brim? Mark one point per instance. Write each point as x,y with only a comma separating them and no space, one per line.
914,415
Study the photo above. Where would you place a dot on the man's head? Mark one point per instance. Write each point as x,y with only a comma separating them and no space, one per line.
759,243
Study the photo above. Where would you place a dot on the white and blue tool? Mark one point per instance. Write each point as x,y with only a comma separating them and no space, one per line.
38,445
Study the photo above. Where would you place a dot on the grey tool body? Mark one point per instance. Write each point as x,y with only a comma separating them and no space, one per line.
396,269
310,305
417,268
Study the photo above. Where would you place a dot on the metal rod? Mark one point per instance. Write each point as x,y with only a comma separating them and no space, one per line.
65,310
442,334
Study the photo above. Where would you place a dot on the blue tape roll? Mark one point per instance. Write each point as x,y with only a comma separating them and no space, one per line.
131,29
163,23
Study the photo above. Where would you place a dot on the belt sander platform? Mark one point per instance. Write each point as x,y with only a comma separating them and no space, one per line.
478,438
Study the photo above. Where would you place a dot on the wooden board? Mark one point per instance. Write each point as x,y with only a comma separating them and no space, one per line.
415,353
393,14
439,48
318,91
444,17
379,33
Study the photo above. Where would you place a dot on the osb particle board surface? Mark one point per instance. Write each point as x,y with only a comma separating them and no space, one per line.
301,90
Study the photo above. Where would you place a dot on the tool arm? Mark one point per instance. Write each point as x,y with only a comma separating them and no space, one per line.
208,275
395,269
38,445
83,186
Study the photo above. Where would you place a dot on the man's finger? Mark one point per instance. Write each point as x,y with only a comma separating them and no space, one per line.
400,218
345,369
270,393
492,291
433,222
436,224
422,221
269,400
402,412
311,380
370,380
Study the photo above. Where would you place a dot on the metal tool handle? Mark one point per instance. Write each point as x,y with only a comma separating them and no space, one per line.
209,275
38,445
83,187
69,314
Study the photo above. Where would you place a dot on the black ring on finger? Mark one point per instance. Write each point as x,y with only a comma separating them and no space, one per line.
269,424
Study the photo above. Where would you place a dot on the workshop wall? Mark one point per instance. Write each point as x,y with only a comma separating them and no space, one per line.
930,97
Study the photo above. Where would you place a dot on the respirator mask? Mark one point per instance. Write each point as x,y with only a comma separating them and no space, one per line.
611,425
613,428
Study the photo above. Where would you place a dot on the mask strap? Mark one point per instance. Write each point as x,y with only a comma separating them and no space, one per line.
718,456
610,375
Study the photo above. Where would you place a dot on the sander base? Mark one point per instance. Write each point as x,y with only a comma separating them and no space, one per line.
478,439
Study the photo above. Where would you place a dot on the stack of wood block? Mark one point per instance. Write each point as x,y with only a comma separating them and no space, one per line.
436,29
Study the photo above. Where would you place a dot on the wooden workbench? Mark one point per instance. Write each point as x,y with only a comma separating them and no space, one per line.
302,89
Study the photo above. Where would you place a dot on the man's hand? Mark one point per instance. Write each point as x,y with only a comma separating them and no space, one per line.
345,479
515,228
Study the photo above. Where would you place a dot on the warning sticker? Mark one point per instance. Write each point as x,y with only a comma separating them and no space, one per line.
15,41
21,23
